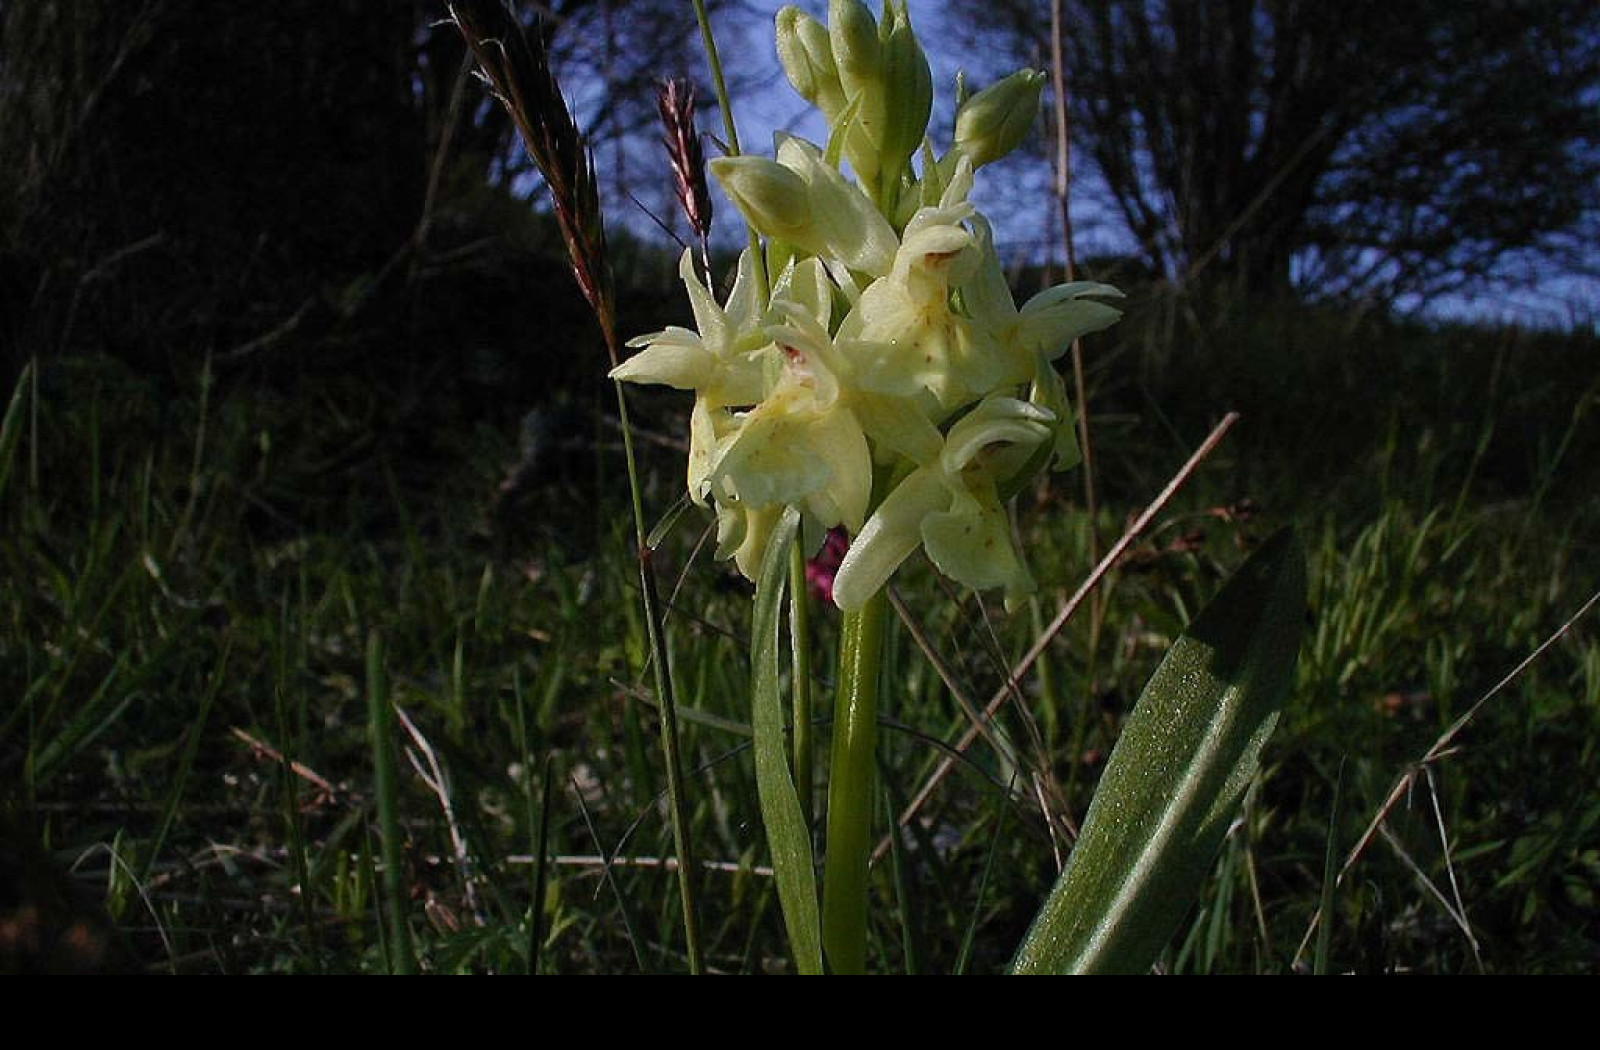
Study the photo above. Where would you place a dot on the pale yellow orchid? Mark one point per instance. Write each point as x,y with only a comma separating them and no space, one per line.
952,508
923,377
895,421
1025,344
912,343
801,445
801,199
722,363
1047,323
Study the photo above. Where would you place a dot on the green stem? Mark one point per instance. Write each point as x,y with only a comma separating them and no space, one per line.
677,799
800,643
850,788
661,672
731,129
709,38
635,488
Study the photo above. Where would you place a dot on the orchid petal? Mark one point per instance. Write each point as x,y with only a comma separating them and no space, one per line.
1050,393
771,197
971,543
705,447
806,284
744,306
790,451
986,296
709,318
888,538
837,440
897,425
1051,320
845,225
758,525
997,421
676,358
770,460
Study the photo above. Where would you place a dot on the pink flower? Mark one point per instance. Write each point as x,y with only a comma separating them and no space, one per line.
820,570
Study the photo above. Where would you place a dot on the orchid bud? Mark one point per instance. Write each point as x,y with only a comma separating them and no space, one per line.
771,198
908,94
994,122
857,51
807,57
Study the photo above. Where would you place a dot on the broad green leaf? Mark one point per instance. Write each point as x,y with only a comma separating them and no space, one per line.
788,837
1186,755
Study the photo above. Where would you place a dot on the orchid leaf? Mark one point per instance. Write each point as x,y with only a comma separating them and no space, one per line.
788,836
1186,755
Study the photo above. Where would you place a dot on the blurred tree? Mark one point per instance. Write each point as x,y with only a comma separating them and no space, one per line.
181,178
189,175
1360,148
315,198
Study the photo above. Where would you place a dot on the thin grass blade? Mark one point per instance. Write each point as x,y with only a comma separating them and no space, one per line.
969,938
609,872
903,869
11,427
541,872
380,719
1330,884
191,749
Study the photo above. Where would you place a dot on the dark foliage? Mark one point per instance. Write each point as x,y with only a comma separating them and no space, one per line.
298,190
1351,149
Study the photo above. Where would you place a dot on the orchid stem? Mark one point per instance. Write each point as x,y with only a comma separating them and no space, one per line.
850,788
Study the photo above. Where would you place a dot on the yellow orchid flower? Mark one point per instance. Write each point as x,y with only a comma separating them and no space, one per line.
923,377
801,445
952,508
801,199
722,363
912,342
1025,344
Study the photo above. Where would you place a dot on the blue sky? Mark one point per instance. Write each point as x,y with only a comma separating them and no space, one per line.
1016,195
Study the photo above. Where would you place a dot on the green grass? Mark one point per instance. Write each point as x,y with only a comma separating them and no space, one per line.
190,575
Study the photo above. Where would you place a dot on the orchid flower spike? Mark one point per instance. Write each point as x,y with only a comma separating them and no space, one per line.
888,384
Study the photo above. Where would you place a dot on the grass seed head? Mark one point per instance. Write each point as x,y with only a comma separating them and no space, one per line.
675,100
516,65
